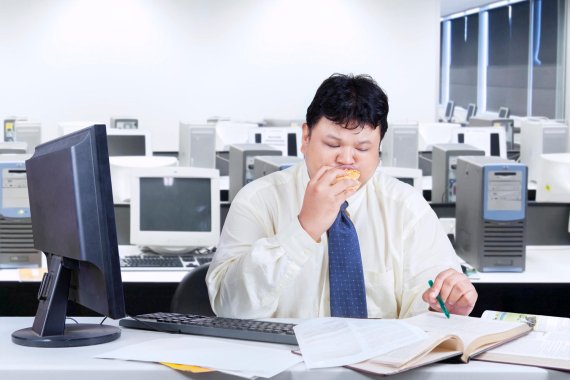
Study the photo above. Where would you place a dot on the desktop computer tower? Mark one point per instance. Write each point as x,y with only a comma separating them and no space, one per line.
490,214
541,136
29,133
400,146
241,166
443,172
264,165
197,145
16,237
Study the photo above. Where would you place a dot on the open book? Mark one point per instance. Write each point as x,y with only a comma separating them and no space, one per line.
460,336
548,345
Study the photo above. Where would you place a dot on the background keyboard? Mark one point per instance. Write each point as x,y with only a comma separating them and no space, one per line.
176,262
245,329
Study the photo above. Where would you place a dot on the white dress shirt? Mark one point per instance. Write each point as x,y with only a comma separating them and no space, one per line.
267,265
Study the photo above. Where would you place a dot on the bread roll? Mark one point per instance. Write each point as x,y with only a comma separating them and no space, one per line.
349,174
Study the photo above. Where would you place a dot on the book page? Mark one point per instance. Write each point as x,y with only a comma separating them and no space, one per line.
537,322
401,356
538,344
550,338
469,329
331,342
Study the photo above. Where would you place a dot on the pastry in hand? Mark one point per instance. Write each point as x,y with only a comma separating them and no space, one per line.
349,174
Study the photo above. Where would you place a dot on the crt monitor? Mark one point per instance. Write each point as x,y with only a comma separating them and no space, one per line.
129,142
492,140
504,113
449,108
471,111
553,180
286,139
175,209
73,223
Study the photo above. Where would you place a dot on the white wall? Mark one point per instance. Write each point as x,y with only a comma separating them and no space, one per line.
169,60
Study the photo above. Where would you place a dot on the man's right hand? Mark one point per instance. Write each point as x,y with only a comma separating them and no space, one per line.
323,198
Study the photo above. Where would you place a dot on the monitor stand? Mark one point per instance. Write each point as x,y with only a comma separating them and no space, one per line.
49,328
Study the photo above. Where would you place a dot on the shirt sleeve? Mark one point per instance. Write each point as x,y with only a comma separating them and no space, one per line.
255,260
427,252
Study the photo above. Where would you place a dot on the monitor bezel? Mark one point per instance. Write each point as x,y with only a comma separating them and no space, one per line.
175,239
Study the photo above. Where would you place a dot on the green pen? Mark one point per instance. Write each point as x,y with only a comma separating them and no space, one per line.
440,301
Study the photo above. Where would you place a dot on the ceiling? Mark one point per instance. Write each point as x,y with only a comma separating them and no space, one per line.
449,7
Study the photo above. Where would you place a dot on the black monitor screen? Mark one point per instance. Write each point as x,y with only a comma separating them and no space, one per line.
165,204
73,223
126,145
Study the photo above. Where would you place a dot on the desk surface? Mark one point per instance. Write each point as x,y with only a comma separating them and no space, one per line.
23,363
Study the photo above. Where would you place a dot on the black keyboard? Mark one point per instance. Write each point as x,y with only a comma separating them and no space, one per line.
163,261
245,329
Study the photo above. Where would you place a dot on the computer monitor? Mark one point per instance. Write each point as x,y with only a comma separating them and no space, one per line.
128,142
30,133
124,123
231,132
175,209
492,140
430,134
553,181
449,108
122,168
73,221
412,177
541,136
504,113
286,139
471,111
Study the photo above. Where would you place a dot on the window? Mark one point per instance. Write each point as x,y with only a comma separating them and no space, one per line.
463,65
506,56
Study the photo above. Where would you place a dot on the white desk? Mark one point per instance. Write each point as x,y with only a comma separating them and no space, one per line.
23,363
544,264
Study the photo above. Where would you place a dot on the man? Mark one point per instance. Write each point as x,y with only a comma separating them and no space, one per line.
277,255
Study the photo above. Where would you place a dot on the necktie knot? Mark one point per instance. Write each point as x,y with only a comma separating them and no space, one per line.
344,206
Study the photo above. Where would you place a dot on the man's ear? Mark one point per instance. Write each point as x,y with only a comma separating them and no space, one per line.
306,137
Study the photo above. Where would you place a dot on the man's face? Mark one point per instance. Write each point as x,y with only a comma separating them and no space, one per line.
329,144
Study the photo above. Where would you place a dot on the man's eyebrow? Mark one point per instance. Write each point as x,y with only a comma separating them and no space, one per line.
332,137
335,138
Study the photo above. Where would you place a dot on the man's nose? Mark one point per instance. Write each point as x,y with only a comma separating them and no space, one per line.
346,156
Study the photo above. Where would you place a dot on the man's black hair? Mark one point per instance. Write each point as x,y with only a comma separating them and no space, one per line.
350,101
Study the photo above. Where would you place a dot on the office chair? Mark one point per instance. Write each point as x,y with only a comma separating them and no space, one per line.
191,295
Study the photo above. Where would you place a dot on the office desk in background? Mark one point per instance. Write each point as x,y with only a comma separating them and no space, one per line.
23,363
542,289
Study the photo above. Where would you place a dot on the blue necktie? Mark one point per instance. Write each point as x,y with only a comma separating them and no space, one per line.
347,291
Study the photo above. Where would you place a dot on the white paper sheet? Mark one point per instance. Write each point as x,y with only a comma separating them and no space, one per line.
246,359
330,342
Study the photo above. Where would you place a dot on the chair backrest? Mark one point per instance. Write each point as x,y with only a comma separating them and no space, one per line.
191,295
